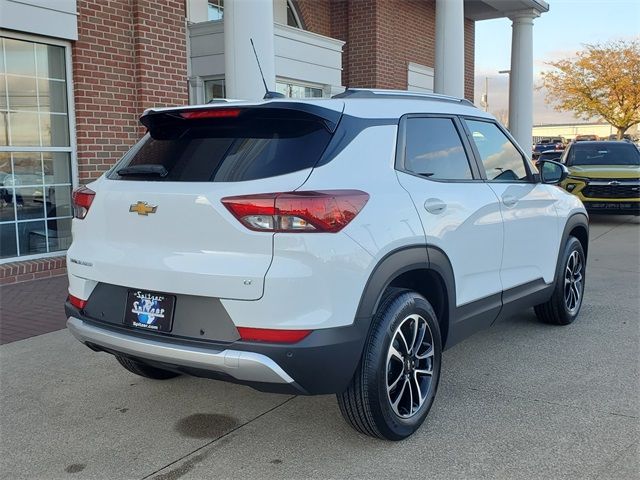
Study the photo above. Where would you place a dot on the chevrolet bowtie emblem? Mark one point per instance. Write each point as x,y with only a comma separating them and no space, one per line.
143,208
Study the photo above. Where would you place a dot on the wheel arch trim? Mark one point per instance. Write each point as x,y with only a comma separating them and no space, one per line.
403,260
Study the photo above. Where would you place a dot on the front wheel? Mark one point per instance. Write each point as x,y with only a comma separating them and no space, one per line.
564,305
395,384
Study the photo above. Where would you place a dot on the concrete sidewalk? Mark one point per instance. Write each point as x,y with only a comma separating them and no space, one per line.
520,400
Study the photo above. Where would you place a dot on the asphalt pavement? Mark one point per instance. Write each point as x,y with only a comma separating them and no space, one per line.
519,400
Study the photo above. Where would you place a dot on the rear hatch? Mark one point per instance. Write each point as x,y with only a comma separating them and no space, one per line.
157,222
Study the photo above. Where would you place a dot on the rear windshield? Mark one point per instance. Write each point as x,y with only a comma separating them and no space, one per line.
606,153
227,150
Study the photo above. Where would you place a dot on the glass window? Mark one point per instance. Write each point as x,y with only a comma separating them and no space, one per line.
603,153
20,57
434,149
214,89
292,18
292,90
35,183
501,159
215,9
225,150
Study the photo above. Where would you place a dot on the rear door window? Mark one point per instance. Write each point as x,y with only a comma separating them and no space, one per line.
227,150
434,150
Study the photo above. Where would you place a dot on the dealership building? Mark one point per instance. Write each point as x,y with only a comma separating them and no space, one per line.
75,75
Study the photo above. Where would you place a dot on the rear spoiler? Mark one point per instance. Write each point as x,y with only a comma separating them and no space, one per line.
330,117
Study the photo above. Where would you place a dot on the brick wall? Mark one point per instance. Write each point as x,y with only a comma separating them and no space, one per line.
130,55
383,37
25,270
469,58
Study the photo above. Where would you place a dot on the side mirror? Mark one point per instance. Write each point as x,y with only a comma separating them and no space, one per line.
552,172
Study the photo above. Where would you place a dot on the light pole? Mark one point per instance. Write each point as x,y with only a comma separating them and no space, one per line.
484,100
508,73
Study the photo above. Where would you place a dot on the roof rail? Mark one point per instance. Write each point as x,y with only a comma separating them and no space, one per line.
382,93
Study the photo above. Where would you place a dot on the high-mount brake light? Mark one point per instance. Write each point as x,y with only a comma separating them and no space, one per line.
271,335
211,113
82,199
326,211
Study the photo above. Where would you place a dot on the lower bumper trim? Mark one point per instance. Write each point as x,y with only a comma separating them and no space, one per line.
241,365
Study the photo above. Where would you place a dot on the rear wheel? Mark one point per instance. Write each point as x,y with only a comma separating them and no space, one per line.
564,305
145,370
395,384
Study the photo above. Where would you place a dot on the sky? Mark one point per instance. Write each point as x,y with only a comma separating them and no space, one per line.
557,34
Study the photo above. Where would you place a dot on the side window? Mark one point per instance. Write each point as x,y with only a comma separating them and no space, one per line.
501,159
434,149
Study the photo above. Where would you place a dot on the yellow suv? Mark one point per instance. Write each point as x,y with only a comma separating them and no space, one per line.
604,175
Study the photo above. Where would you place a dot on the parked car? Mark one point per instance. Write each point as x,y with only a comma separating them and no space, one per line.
586,138
604,175
545,144
626,137
321,246
549,155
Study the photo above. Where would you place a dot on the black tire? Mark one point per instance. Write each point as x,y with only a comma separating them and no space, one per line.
145,370
560,309
367,403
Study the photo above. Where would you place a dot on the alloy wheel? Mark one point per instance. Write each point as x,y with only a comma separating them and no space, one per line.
573,282
410,366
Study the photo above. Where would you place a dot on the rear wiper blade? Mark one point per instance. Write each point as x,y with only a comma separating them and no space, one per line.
144,170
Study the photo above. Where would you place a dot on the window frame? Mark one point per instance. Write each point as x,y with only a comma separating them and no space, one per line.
72,149
401,150
290,82
532,177
209,78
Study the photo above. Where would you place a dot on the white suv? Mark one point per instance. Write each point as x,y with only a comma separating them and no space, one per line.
325,246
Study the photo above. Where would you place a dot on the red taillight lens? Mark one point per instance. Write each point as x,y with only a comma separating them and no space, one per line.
317,211
77,302
270,335
213,113
82,199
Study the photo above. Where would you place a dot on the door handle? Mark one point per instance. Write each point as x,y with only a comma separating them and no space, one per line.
435,206
509,200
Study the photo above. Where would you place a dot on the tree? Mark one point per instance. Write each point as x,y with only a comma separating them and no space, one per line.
602,81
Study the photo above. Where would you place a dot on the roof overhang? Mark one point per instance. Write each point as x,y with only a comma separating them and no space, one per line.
488,9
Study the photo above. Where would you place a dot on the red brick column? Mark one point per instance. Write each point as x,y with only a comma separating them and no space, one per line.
130,55
383,37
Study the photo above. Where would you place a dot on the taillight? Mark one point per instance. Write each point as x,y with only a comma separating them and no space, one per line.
317,211
271,335
77,302
82,199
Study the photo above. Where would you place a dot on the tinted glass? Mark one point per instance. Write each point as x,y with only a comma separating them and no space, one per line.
229,150
609,153
501,159
434,149
550,156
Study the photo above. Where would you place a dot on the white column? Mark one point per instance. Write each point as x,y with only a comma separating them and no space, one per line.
521,78
449,64
245,20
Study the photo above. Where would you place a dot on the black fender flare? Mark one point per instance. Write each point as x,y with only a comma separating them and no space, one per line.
394,264
578,219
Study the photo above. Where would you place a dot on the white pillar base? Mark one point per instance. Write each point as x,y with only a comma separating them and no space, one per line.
521,79
245,20
449,61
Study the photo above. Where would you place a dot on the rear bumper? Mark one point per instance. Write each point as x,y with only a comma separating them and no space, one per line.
322,363
243,366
